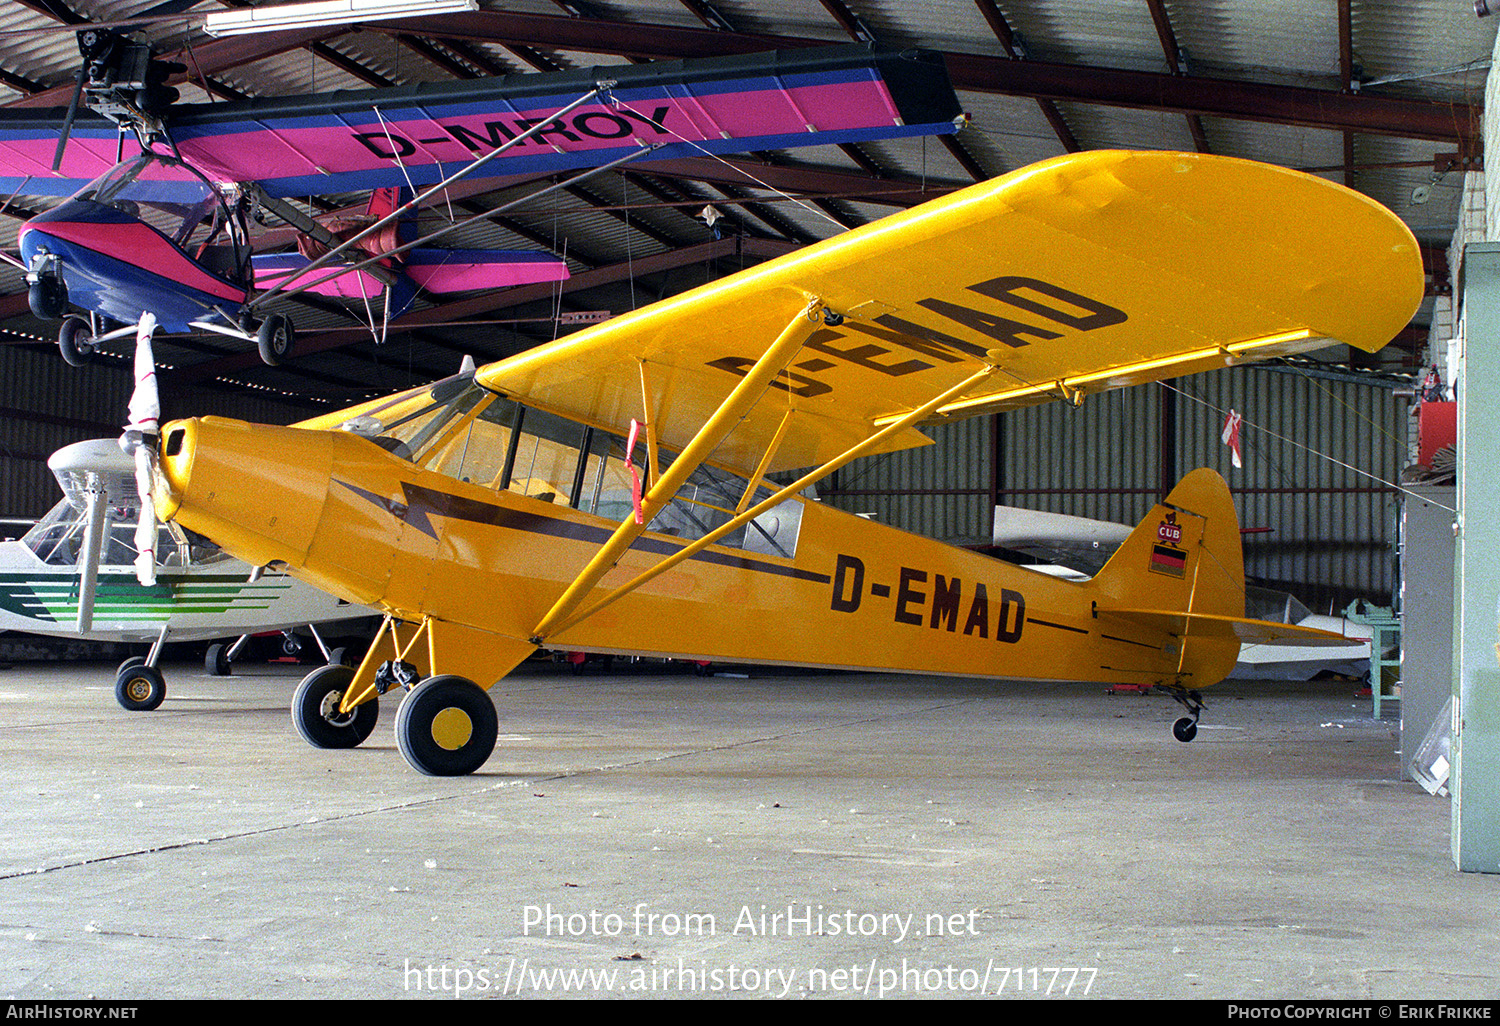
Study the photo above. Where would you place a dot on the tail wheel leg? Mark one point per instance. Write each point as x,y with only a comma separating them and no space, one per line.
447,726
1186,728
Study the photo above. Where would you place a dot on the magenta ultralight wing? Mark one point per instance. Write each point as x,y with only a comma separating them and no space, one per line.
418,135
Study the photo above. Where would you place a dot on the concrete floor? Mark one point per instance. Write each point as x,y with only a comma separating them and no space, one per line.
792,835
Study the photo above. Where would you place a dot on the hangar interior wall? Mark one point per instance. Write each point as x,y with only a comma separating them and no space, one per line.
46,404
1319,450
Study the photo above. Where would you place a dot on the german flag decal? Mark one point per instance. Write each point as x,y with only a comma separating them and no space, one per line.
1167,560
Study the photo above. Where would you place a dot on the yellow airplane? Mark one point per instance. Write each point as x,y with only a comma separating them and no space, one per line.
611,492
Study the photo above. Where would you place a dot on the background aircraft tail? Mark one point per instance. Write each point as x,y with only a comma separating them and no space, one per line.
1182,570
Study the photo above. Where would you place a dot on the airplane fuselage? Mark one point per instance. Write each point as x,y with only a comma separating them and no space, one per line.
120,266
376,529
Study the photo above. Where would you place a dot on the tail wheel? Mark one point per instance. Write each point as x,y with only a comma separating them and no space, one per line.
1185,729
447,727
315,710
75,339
274,339
140,688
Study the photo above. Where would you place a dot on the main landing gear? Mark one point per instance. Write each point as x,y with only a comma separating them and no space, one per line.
139,685
446,725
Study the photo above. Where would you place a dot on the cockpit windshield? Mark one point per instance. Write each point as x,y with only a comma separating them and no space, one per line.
178,202
462,430
58,539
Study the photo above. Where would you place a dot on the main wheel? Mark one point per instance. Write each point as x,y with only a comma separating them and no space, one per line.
1185,729
315,710
447,727
274,339
140,688
216,660
75,339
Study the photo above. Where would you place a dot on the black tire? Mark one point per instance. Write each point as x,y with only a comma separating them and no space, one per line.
216,660
47,297
315,710
447,727
1185,729
274,340
75,340
340,656
140,688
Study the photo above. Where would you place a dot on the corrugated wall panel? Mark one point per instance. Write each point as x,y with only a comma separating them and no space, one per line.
45,405
1312,494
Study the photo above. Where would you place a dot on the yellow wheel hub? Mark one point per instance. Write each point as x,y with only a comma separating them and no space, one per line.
452,728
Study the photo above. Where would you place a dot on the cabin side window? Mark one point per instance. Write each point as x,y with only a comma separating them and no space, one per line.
468,433
476,450
546,461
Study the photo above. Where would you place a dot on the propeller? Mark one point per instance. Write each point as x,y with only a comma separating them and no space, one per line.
139,442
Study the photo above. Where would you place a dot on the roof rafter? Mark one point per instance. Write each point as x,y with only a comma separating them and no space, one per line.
1455,122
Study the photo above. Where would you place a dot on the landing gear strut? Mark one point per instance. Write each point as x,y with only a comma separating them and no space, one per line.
1186,728
139,685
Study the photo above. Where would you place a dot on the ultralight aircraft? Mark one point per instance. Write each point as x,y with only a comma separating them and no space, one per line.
160,192
610,492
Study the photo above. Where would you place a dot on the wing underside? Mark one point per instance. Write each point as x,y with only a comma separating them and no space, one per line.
351,141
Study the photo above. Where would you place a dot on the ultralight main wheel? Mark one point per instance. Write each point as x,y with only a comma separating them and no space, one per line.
447,727
315,710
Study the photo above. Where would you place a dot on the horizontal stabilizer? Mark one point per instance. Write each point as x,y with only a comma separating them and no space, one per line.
1247,631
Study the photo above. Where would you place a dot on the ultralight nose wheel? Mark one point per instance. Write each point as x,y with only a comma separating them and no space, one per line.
447,727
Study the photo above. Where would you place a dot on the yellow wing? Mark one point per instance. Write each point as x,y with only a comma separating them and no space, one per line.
1091,271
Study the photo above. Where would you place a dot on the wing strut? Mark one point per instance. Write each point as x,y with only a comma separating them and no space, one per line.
411,204
724,420
874,440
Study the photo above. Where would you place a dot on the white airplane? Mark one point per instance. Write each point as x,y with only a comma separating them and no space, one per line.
73,575
1077,547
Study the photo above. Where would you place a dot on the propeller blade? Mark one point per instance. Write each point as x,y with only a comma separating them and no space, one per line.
139,441
67,127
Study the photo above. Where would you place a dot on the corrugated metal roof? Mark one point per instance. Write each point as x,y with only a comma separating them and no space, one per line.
1290,42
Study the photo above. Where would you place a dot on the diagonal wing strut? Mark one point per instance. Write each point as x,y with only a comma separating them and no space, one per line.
555,622
734,407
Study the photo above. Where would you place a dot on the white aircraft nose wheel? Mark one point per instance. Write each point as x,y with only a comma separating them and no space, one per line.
140,688
1185,729
447,727
315,710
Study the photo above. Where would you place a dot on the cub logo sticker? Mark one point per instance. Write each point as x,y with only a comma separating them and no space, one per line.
1166,556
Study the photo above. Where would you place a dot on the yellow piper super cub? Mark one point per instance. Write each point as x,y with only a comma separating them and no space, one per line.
608,492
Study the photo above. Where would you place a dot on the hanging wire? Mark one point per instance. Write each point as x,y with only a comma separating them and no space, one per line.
714,156
1394,485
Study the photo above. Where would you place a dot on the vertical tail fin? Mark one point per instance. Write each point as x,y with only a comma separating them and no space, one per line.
1185,557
